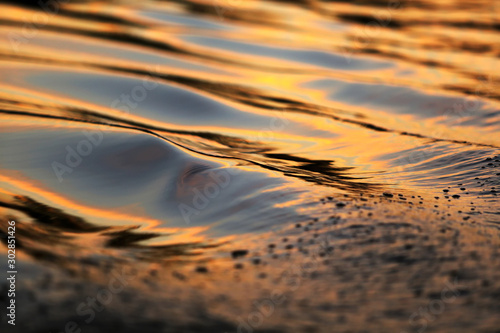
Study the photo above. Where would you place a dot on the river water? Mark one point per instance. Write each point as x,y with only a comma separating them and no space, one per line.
348,149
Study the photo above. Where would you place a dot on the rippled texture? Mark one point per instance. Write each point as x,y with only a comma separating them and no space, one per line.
162,135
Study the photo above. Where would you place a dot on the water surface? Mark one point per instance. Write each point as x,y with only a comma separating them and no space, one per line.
162,135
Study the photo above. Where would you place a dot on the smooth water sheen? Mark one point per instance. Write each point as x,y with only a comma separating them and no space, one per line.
162,135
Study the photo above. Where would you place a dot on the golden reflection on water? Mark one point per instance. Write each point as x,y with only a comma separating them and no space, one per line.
273,68
261,119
